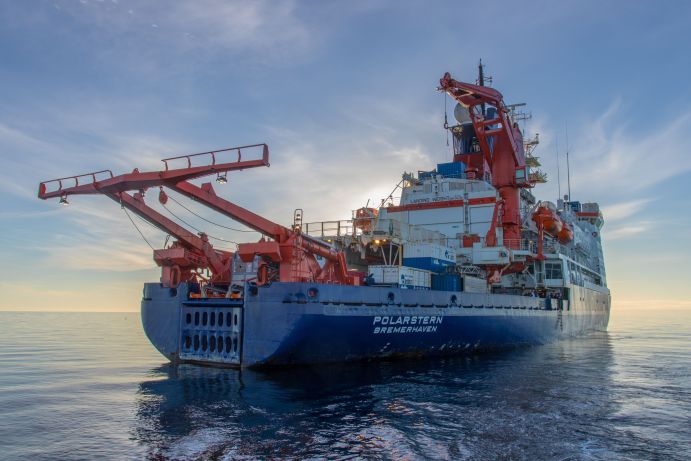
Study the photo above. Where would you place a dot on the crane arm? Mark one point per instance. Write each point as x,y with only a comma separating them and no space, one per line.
103,182
500,127
177,179
136,204
207,196
501,143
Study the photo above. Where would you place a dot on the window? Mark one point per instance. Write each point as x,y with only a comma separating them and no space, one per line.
553,270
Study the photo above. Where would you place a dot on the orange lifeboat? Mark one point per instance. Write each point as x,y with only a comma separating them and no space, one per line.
565,235
546,218
364,217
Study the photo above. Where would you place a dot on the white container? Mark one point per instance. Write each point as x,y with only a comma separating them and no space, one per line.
429,250
243,272
405,277
474,284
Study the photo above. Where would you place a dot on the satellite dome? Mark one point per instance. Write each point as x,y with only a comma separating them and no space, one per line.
461,114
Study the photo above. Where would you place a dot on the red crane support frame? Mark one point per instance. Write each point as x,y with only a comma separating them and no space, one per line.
293,252
504,154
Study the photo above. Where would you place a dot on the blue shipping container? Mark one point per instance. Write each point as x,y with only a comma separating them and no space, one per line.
451,169
446,282
428,264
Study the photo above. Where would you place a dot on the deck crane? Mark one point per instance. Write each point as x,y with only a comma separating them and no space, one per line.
287,255
502,152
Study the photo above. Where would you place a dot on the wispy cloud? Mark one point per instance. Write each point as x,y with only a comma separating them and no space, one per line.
260,30
615,157
260,25
618,211
627,230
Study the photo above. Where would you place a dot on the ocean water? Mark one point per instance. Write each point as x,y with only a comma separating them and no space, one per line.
90,386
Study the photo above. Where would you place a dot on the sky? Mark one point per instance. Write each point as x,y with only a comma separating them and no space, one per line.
344,94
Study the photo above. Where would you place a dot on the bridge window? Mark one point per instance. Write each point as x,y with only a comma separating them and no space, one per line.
553,270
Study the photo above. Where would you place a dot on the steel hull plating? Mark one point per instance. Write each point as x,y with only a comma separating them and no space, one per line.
297,323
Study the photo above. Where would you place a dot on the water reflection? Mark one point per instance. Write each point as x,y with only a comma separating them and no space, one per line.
539,402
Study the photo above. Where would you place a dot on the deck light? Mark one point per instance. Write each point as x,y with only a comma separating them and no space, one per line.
222,179
63,200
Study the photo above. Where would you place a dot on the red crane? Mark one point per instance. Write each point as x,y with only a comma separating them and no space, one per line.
502,151
288,256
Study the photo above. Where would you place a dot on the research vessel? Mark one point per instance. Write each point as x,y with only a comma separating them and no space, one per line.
458,259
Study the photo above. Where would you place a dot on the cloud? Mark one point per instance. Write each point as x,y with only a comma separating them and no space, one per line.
120,249
266,26
627,230
622,210
259,30
610,157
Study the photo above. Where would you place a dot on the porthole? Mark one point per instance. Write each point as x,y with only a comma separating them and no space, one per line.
212,343
235,319
188,318
229,319
196,342
219,342
235,344
196,318
205,318
229,344
212,320
205,343
220,319
188,342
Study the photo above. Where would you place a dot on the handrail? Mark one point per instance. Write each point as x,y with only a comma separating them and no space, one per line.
212,153
43,185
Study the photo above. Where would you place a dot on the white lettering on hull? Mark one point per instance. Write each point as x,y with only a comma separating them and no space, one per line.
394,324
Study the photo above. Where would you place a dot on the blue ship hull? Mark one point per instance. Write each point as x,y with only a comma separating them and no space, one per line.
300,323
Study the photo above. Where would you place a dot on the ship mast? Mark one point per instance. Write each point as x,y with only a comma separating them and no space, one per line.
481,81
568,166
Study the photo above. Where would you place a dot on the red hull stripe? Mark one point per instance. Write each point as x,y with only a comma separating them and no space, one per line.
445,204
587,214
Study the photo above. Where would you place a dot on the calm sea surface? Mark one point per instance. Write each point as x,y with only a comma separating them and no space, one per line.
90,386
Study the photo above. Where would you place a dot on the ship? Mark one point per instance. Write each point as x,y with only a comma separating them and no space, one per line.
459,259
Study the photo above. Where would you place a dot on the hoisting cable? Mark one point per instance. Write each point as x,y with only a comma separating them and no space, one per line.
165,243
198,230
446,120
207,220
135,226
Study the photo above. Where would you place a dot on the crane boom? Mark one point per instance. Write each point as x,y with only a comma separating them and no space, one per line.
500,127
501,145
207,196
291,254
202,250
137,180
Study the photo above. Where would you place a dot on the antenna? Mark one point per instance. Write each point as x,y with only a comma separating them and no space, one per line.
481,79
568,167
480,74
558,173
